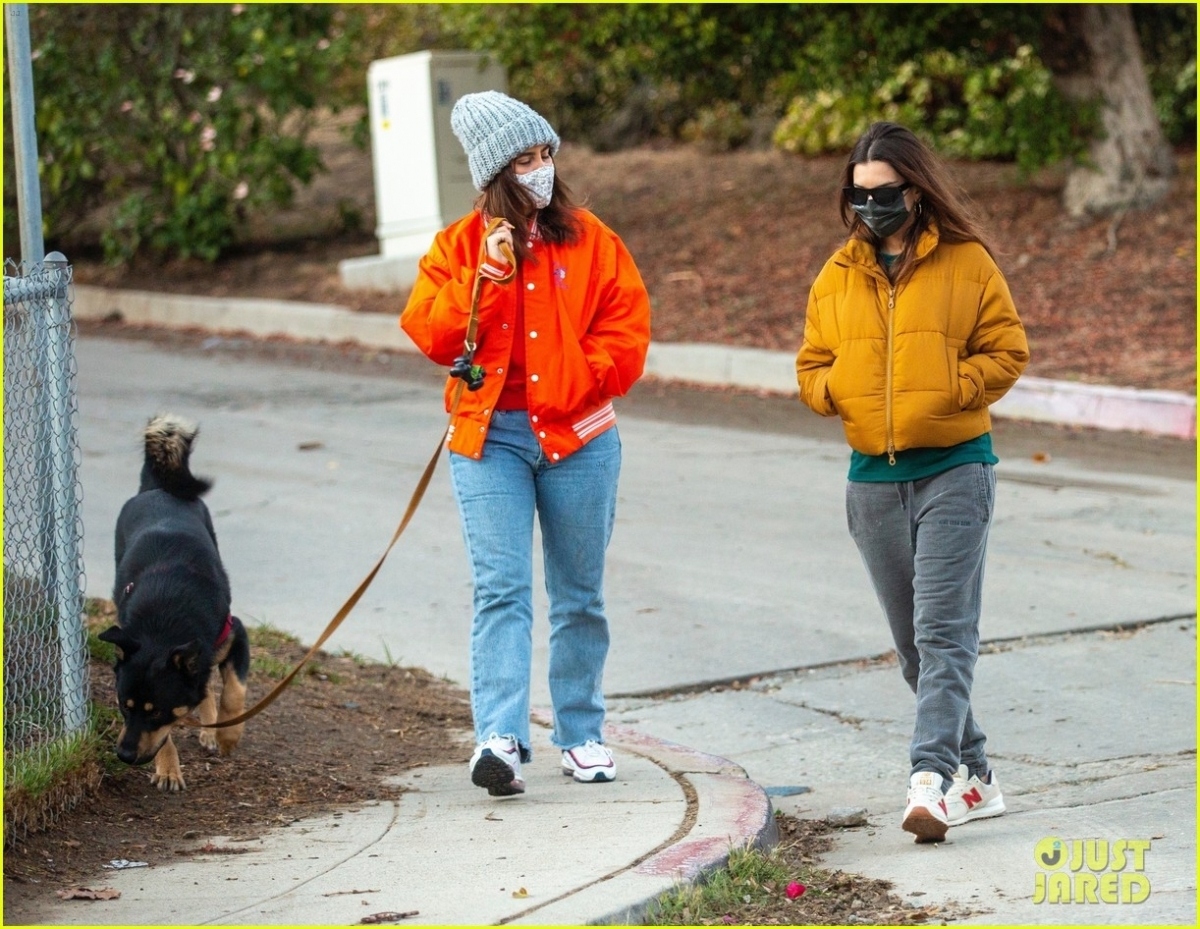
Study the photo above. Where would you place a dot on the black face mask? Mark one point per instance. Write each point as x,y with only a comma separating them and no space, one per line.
882,220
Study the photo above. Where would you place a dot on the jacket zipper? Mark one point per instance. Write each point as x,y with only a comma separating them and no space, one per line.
891,439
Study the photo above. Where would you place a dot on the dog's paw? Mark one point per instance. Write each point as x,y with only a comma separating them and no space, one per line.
209,739
228,739
170,782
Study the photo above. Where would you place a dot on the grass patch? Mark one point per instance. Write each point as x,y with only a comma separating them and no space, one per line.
751,879
44,781
267,644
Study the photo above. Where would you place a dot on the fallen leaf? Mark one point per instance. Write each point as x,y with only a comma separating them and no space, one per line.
86,893
520,892
492,817
388,916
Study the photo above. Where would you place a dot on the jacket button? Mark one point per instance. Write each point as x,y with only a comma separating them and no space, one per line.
533,335
555,456
504,326
533,377
541,435
533,419
529,286
482,429
499,370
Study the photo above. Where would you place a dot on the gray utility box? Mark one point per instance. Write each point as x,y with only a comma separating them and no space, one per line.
422,182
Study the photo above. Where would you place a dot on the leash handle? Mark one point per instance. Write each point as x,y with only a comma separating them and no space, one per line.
464,367
413,503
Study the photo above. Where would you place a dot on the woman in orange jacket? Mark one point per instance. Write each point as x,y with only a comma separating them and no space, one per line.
910,335
561,332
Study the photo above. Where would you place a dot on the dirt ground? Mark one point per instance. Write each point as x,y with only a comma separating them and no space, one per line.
728,245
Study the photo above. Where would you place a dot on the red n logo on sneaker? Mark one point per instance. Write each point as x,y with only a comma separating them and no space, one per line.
971,797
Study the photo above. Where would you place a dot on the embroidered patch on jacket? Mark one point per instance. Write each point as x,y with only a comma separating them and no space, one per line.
560,277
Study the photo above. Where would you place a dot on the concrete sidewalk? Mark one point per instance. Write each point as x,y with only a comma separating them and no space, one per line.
446,853
746,662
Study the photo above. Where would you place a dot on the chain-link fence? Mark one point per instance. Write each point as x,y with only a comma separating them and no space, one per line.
45,642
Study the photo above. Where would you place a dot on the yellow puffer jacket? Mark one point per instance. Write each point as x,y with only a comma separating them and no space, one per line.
914,365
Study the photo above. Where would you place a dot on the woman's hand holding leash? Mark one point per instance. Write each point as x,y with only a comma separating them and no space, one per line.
499,241
497,245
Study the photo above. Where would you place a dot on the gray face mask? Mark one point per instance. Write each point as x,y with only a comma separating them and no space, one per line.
540,183
882,220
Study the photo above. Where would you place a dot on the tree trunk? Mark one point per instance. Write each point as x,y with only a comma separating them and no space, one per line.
1131,162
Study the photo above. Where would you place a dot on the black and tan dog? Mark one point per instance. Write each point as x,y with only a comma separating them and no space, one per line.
174,624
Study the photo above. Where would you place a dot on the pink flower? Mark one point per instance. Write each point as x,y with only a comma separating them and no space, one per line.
242,191
213,95
795,889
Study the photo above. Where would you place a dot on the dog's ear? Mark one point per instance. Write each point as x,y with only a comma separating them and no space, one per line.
187,658
117,636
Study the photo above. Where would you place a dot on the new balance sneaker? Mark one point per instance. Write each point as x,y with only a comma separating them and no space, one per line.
969,799
589,762
925,815
496,765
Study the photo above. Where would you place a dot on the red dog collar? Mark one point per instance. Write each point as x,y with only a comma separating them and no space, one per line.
228,628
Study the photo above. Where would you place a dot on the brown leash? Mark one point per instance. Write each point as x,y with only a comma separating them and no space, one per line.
413,503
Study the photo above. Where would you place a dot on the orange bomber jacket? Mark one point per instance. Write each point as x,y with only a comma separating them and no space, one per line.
587,331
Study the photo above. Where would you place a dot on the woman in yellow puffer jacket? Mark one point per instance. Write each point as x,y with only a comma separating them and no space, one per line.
910,335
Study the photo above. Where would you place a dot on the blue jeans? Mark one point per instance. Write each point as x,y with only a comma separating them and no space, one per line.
923,544
575,501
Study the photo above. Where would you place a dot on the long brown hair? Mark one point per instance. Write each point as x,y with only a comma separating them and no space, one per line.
943,202
506,196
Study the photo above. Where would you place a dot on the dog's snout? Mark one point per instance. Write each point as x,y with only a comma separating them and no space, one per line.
128,755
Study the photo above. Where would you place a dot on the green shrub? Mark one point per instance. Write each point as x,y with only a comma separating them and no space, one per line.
176,121
1167,32
720,127
1004,110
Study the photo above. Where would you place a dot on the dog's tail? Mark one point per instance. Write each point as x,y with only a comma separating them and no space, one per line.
168,446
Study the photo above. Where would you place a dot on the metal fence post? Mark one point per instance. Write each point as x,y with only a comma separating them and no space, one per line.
25,158
68,589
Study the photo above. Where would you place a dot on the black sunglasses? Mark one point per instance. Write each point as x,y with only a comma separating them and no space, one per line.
884,196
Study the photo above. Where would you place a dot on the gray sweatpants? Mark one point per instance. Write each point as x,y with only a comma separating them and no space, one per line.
923,544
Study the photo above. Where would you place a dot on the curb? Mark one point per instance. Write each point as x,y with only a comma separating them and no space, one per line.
1155,412
730,812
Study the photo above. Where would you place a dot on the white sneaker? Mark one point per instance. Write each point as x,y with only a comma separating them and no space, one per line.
925,815
973,799
496,765
589,763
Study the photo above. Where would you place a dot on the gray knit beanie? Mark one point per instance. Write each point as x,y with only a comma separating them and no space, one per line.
494,129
